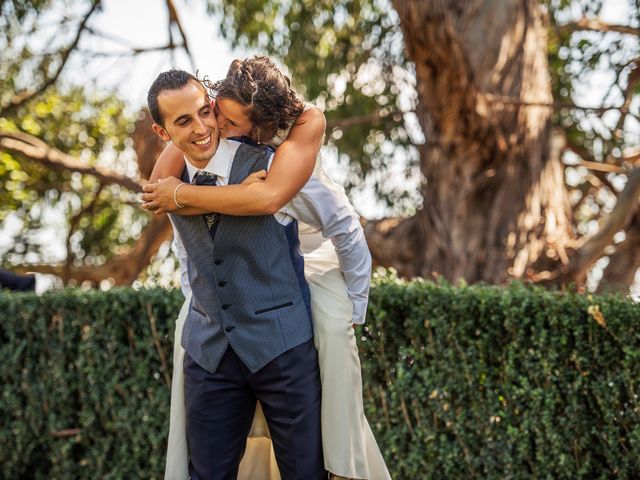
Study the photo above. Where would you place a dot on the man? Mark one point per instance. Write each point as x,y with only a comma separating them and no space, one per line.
248,334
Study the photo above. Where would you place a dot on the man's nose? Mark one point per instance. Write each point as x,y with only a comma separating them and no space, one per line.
199,126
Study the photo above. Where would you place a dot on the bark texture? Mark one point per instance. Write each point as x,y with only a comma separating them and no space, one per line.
494,196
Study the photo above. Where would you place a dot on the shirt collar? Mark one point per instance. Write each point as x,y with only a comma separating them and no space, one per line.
220,163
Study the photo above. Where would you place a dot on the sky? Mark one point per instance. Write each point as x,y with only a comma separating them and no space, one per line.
143,23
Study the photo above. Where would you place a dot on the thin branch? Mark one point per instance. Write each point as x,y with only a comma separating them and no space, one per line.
38,151
130,53
602,167
586,156
632,82
506,100
372,118
599,26
22,97
174,19
109,36
159,349
68,432
73,222
490,97
610,164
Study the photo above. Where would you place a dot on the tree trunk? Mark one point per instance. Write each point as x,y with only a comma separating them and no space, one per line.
494,196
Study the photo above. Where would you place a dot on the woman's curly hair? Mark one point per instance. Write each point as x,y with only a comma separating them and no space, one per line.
259,84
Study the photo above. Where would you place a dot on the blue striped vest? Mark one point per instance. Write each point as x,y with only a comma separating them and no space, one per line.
248,284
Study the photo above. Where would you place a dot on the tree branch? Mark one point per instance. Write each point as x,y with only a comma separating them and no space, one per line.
109,36
599,26
632,82
590,162
370,118
175,20
23,97
625,261
129,53
491,98
512,101
593,248
123,268
73,222
38,151
393,242
600,169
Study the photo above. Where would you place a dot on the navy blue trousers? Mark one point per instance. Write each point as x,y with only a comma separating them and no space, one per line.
220,408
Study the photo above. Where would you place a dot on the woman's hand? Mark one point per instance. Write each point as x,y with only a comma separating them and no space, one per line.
159,197
255,177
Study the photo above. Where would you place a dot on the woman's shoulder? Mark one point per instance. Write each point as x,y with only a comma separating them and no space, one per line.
313,119
311,115
310,112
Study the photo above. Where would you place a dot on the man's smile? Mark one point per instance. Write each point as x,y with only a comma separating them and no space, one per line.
204,141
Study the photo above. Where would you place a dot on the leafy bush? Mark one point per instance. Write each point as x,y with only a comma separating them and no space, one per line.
469,381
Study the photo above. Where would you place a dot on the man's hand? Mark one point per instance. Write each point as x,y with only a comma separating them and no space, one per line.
255,177
158,197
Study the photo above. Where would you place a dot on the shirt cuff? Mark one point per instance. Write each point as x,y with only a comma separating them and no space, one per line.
359,311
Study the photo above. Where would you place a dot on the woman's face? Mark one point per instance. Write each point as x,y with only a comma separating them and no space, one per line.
232,118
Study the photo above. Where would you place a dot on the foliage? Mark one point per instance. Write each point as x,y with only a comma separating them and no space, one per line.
348,57
596,68
485,382
98,219
85,360
81,219
479,382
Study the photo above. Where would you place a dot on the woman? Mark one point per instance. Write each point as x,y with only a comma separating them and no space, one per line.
256,100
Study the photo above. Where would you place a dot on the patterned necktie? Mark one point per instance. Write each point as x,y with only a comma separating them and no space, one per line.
207,178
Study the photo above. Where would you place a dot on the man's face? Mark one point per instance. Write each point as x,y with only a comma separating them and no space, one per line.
232,118
189,122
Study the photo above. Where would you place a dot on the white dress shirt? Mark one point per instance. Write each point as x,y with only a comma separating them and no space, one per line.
320,206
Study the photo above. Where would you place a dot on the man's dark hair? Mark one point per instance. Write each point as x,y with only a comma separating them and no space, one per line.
169,80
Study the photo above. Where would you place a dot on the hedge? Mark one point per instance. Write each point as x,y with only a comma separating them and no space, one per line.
460,382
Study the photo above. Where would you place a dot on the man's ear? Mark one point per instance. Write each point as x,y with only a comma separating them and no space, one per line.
161,132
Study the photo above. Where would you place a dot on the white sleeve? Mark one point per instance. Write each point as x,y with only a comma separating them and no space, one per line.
181,253
323,204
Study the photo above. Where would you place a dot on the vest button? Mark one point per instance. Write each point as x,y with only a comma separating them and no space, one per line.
228,329
222,283
226,306
218,261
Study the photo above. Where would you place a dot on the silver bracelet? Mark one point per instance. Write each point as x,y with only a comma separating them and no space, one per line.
175,195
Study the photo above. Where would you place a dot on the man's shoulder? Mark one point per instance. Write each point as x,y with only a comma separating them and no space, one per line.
248,146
